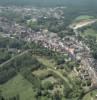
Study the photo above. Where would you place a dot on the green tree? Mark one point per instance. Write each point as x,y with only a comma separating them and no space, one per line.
48,85
57,96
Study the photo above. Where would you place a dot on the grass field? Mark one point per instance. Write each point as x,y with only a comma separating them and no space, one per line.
51,65
48,62
83,17
90,32
39,72
91,95
18,85
51,79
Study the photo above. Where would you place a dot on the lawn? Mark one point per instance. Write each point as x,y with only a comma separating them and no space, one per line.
18,85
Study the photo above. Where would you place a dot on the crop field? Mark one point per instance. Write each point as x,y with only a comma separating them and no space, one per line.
18,85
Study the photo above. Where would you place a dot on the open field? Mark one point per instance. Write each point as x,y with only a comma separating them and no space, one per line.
39,72
51,65
82,21
18,85
48,62
83,17
51,78
90,31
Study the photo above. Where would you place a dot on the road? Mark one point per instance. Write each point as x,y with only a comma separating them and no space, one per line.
8,61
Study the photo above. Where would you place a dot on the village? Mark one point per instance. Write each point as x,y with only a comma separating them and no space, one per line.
69,44
48,50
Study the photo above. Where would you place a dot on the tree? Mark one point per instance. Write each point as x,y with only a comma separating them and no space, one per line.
67,91
57,95
47,85
38,93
